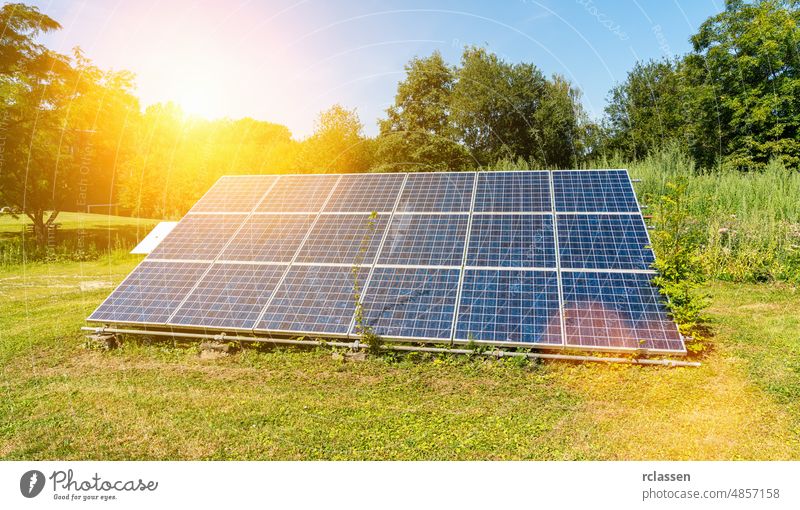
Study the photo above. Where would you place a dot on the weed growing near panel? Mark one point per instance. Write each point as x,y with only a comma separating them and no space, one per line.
364,330
679,267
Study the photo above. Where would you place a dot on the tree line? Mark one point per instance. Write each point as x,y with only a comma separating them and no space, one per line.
74,135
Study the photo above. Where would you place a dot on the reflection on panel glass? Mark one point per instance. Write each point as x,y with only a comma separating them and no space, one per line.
437,192
425,239
313,299
150,293
509,306
617,310
229,296
407,302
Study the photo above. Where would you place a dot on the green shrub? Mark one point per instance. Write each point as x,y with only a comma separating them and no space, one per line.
676,243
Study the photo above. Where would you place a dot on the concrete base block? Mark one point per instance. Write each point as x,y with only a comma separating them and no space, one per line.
103,341
355,356
216,350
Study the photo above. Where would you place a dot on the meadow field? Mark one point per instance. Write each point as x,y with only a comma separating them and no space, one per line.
61,400
161,400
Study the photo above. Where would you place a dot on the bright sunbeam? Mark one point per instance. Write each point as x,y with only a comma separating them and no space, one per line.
201,96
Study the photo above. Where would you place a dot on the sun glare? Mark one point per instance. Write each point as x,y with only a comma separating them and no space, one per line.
201,98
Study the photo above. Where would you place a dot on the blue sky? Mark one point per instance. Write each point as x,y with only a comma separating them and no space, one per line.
285,61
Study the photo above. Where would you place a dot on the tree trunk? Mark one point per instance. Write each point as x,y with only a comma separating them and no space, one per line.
41,226
37,218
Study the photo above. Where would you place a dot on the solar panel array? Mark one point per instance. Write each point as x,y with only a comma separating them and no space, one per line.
553,259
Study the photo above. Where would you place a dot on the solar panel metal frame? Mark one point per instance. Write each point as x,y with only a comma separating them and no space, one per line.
553,213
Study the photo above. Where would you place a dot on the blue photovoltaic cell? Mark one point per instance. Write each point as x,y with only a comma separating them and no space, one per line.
344,239
269,238
229,296
235,193
512,240
313,299
198,237
408,302
365,193
298,193
594,241
616,310
430,239
513,192
509,306
593,191
437,192
150,293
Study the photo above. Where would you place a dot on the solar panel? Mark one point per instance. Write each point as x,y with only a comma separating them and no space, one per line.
544,259
595,241
366,193
593,191
513,192
411,302
235,194
150,293
427,239
510,306
229,296
344,239
269,238
298,193
312,299
512,241
616,311
437,192
198,237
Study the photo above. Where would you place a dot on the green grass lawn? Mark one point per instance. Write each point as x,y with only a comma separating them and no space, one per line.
62,401
81,236
74,220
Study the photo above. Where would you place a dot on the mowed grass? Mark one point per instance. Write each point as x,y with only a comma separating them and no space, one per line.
160,401
75,220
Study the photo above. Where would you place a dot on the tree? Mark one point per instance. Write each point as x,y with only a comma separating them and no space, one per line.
417,133
104,115
647,110
39,173
337,145
493,106
734,100
485,110
746,85
560,127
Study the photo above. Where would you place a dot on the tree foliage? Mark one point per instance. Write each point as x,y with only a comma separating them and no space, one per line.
417,133
338,144
50,108
75,134
734,100
647,111
475,114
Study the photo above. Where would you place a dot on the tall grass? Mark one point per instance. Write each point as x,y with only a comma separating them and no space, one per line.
749,222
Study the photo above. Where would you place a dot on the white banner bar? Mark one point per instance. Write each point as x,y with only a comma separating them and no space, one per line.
402,485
